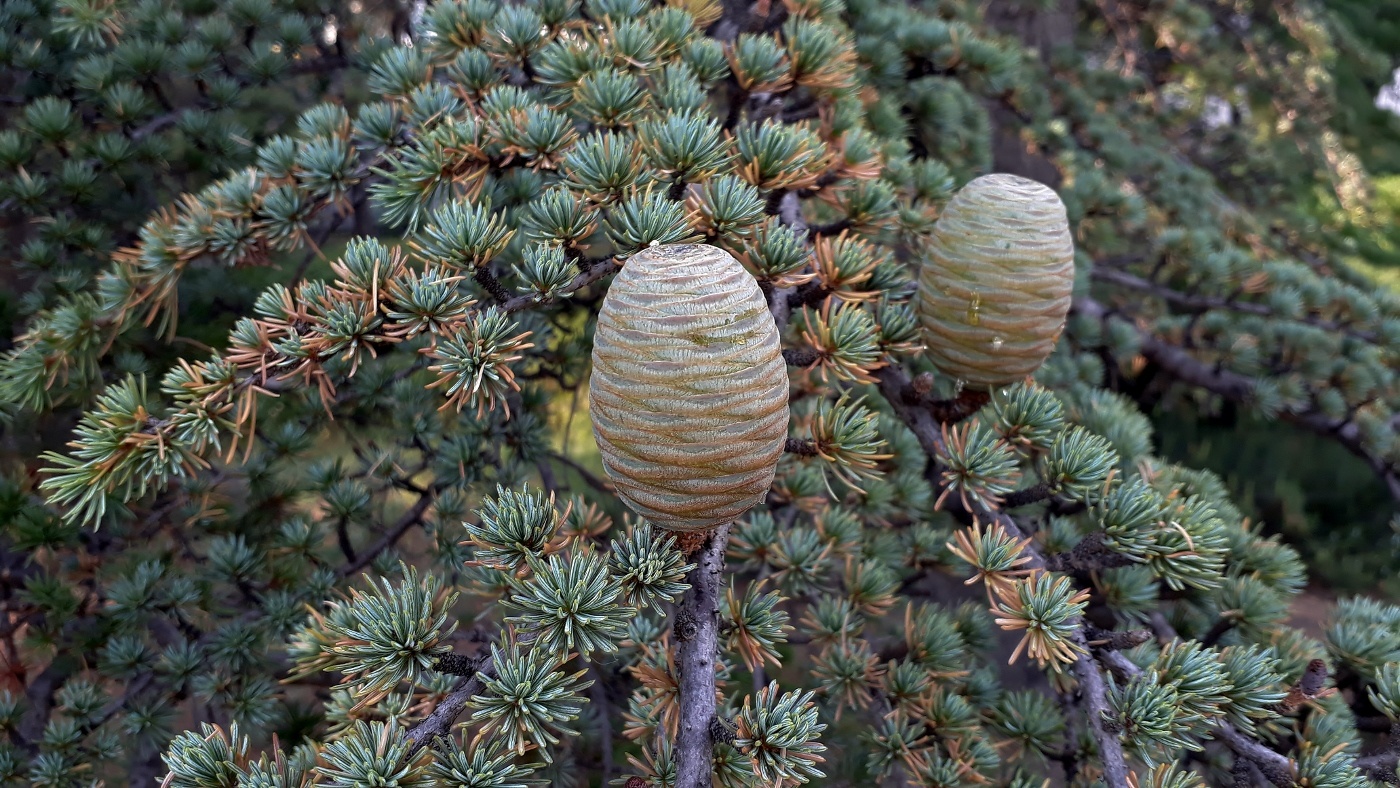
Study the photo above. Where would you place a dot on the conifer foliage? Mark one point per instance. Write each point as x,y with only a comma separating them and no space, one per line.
112,111
357,544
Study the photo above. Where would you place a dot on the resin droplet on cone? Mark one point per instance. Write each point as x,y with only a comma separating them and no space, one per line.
689,395
994,290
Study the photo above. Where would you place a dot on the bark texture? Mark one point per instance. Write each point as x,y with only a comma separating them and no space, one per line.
696,633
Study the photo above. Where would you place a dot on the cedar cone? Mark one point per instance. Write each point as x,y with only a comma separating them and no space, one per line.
995,289
689,396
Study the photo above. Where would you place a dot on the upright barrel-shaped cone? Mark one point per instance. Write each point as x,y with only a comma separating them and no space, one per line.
995,288
689,395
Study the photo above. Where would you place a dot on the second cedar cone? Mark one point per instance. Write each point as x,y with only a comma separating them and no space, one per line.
689,395
995,289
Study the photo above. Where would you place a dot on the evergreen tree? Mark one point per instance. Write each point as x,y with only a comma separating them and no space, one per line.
870,419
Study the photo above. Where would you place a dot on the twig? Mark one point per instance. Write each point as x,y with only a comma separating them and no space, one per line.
1116,640
1095,692
1217,631
1161,627
342,539
809,294
596,271
1275,767
919,393
1089,554
1383,764
801,356
1026,497
1182,365
491,284
589,478
457,665
1310,685
319,65
1068,756
440,722
409,519
967,402
697,646
154,125
1194,303
779,305
895,386
551,485
832,228
315,250
136,687
789,212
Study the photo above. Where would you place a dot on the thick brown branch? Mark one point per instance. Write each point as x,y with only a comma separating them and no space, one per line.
457,665
790,214
1309,686
1115,640
1096,708
598,693
809,294
952,411
779,304
1382,765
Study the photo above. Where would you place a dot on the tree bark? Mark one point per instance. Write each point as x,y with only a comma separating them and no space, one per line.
696,632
